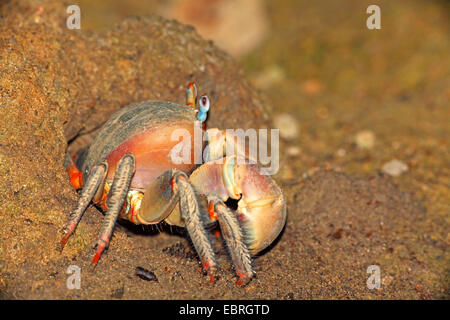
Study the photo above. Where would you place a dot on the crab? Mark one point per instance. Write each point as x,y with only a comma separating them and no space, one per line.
128,171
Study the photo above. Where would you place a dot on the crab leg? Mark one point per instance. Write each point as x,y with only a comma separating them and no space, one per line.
95,179
190,212
116,198
234,238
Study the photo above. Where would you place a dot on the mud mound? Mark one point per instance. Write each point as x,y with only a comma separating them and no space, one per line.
60,85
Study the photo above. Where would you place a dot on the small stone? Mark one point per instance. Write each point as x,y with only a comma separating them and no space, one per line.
288,126
145,274
338,234
394,168
311,86
341,152
293,151
268,77
365,139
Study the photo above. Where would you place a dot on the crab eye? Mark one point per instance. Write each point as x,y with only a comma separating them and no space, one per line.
203,104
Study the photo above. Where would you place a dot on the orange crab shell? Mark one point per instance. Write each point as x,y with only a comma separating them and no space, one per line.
151,150
144,129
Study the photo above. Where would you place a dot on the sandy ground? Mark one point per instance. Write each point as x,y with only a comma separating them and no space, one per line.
330,74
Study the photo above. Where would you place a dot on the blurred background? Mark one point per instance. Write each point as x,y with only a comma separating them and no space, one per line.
345,97
364,119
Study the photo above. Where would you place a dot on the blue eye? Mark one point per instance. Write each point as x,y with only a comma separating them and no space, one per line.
203,107
203,104
201,116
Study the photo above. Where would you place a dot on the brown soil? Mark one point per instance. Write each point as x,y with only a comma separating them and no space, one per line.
60,85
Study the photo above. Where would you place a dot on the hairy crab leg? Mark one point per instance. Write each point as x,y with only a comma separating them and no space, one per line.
95,179
234,238
190,212
116,198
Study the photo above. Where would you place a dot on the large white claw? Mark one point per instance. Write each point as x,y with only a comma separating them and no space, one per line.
261,206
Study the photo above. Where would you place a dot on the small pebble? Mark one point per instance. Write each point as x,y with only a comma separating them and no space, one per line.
268,77
365,139
145,274
288,126
394,168
293,151
312,86
341,152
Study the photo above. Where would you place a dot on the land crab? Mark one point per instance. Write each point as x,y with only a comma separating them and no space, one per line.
129,172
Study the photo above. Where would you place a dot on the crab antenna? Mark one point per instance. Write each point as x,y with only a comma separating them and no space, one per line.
191,95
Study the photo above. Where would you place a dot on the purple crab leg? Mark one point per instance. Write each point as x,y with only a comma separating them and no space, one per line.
95,179
190,212
115,201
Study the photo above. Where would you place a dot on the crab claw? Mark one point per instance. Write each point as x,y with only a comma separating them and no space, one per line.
261,207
